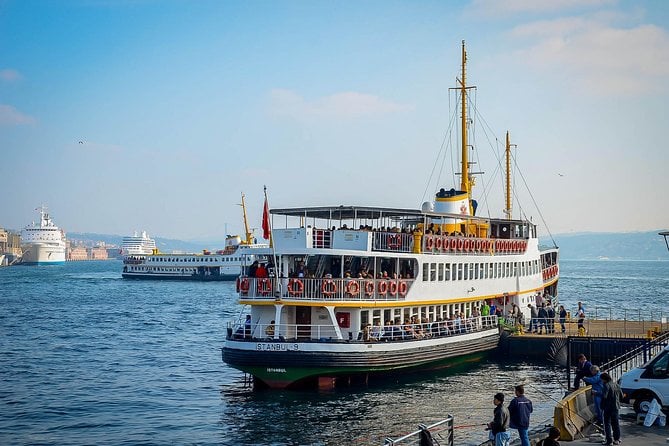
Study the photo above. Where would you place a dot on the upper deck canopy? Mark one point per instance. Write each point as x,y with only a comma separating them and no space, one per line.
364,212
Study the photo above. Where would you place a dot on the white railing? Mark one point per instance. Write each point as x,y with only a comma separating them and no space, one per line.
241,330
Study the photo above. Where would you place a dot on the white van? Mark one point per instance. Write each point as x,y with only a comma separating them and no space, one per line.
640,385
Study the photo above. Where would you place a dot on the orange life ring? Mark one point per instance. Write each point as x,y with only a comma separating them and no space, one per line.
264,286
369,287
295,287
382,287
454,244
478,245
352,288
393,241
467,245
403,288
392,288
461,244
244,285
438,243
328,287
429,242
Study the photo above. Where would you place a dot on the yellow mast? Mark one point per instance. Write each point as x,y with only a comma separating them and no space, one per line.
464,182
249,234
507,211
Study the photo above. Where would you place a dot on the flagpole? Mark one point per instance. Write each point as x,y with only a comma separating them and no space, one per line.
268,221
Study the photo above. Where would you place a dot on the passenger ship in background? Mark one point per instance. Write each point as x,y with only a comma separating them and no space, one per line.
42,243
361,291
137,244
207,266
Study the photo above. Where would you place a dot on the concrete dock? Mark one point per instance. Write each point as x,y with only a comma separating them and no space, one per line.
632,433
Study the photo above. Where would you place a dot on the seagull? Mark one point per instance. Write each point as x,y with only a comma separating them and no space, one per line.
559,174
81,142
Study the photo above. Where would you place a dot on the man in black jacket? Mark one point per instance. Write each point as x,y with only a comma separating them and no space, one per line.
610,407
520,409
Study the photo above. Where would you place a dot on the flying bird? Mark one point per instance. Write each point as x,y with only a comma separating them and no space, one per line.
81,142
559,174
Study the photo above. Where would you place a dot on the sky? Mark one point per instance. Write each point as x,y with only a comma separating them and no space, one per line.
157,115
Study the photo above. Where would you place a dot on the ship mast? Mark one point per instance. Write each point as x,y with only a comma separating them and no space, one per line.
249,234
464,181
507,211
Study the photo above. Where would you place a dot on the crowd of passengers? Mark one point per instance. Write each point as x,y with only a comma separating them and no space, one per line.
433,228
421,328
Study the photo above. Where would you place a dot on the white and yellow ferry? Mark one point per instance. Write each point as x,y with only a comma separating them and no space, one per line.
355,291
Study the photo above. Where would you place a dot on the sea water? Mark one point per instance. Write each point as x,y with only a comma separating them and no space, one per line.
87,357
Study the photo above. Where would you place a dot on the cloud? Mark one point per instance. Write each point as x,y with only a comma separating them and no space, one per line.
9,116
495,8
339,105
602,58
9,75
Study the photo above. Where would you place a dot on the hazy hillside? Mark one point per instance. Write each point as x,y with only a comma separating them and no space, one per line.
626,245
163,244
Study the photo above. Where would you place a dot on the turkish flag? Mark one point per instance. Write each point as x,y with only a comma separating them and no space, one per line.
265,221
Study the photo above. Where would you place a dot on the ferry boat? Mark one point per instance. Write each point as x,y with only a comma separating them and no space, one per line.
224,264
42,243
361,291
137,245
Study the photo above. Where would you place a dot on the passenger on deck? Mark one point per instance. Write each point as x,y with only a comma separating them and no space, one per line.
261,271
377,331
269,331
247,327
253,268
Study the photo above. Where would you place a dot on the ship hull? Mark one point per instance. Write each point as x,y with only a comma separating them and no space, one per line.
281,365
43,254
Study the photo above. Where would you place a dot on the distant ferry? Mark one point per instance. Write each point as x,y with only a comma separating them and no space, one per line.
222,265
43,243
138,245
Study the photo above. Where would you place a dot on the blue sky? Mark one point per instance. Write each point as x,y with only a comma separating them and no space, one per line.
180,106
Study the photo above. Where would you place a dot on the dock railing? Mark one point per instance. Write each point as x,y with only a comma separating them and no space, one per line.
636,357
442,431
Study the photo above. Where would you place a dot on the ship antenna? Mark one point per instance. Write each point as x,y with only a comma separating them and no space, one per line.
249,234
507,210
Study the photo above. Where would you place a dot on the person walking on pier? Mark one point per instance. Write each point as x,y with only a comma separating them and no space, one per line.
499,425
563,318
520,409
611,406
582,370
533,318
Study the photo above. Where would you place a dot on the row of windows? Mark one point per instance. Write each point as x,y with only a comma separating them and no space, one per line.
429,312
439,272
196,259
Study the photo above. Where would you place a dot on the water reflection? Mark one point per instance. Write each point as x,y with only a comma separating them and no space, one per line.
390,408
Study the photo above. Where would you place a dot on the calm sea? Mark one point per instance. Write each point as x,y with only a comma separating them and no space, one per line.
89,358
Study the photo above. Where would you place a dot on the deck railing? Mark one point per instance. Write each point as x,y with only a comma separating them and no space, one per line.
253,331
324,289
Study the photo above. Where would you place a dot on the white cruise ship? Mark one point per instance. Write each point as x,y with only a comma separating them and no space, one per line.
138,245
43,243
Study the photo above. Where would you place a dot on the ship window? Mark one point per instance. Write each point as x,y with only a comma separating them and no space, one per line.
465,274
433,272
440,272
459,271
426,272
476,271
364,318
447,271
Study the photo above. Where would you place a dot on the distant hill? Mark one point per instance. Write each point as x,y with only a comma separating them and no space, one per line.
579,246
164,244
612,245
